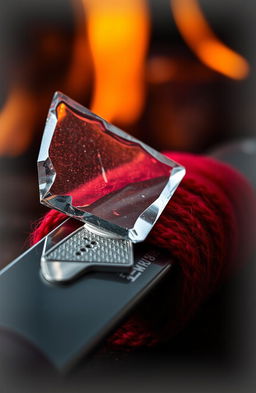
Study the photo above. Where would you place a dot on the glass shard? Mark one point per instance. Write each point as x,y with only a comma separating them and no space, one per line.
93,171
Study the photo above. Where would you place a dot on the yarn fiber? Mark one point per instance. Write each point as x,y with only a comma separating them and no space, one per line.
208,229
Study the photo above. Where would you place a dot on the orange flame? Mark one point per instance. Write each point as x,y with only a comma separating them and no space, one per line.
80,66
202,40
61,111
16,122
118,32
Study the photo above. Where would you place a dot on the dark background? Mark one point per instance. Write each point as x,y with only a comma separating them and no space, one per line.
195,109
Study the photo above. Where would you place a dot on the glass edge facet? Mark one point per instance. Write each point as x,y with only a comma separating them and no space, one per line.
149,216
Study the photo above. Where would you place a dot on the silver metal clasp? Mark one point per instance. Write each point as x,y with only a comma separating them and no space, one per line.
67,255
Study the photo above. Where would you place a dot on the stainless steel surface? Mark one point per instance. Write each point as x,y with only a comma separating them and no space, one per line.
84,250
65,322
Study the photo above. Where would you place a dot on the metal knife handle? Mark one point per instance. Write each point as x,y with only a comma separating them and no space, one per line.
82,250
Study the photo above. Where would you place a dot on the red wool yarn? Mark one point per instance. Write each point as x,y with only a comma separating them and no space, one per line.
208,229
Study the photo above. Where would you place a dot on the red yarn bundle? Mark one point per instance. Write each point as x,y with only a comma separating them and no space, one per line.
208,229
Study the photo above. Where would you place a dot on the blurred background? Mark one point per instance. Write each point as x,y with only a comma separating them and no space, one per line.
178,74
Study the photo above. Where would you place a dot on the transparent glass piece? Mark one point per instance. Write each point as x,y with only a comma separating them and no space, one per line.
95,172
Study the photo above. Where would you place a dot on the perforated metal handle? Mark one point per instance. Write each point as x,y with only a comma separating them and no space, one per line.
85,249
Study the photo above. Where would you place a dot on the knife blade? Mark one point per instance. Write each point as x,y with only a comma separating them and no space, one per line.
65,322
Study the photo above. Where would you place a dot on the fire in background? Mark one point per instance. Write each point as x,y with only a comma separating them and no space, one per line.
166,96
